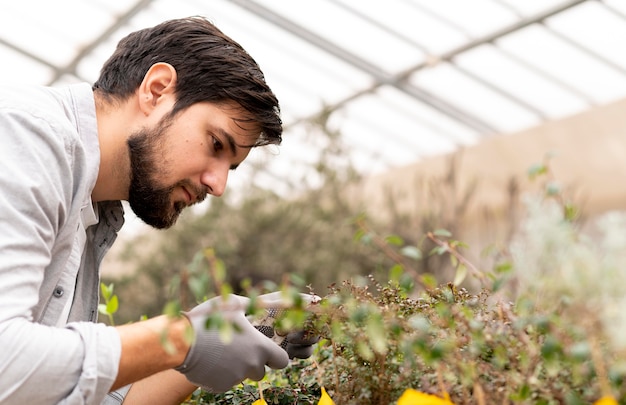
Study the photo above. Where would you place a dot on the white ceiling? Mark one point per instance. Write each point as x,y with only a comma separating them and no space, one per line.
409,78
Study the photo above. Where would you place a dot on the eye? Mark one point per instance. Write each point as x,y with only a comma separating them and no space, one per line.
217,144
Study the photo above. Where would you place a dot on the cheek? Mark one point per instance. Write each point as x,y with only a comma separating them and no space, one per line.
191,149
193,156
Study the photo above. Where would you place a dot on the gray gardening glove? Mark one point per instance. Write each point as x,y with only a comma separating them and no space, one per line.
297,344
217,366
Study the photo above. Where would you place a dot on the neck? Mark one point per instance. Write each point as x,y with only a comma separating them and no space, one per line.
113,175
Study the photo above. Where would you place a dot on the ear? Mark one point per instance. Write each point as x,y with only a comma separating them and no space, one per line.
158,85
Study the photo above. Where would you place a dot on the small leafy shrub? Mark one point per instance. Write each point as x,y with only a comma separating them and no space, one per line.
535,332
380,343
293,385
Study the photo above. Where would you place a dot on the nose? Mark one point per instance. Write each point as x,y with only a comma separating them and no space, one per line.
215,178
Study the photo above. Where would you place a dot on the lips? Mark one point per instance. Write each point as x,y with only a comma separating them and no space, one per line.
188,196
193,195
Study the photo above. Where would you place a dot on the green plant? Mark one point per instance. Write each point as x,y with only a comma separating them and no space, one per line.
543,325
522,338
293,385
111,302
379,342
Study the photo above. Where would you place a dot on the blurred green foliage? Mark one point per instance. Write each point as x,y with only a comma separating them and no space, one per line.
488,347
263,237
395,313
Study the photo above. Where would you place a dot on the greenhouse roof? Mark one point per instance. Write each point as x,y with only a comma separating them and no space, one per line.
405,79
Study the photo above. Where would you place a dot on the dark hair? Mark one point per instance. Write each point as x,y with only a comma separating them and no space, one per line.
210,66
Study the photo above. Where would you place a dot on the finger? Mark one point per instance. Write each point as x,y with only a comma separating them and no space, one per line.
312,298
302,337
256,373
280,300
276,296
242,302
276,357
273,300
299,351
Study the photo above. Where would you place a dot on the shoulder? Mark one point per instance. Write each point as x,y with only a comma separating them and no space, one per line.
42,132
47,117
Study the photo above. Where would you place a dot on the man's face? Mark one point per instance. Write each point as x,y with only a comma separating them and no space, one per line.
177,162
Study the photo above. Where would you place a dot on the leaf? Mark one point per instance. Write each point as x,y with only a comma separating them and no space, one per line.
461,273
297,280
376,333
504,267
364,351
497,284
198,286
107,290
537,170
366,239
571,212
198,264
226,332
325,398
219,270
358,235
429,280
412,252
458,244
396,272
438,250
112,305
172,309
337,330
442,232
606,401
394,240
553,189
413,397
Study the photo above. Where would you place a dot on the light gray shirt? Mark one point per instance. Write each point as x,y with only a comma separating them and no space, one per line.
52,241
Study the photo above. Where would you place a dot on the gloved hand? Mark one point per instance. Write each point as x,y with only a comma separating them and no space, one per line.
297,344
217,366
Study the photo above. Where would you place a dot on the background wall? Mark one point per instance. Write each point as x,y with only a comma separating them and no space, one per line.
477,189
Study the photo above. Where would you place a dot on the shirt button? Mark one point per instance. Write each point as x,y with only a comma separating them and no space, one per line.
58,292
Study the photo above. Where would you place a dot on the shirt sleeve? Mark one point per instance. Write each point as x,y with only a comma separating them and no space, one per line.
116,397
49,365
41,364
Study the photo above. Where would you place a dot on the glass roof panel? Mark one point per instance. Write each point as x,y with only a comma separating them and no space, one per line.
566,64
473,18
529,8
618,6
351,31
21,69
48,30
474,98
605,39
531,89
115,8
407,78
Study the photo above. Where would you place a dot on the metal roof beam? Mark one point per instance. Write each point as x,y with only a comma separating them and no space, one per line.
29,55
399,80
381,77
448,56
71,67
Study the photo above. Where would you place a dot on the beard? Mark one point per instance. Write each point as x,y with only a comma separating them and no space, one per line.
149,200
